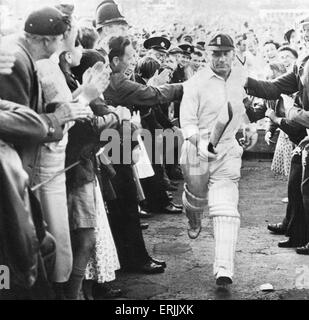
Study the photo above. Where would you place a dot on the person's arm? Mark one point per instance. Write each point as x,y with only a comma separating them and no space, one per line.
299,116
123,91
189,113
16,87
271,90
20,125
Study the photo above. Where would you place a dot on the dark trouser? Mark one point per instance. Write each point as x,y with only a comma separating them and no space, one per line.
154,189
297,213
124,219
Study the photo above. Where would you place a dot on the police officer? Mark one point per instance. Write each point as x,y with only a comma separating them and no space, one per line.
157,48
109,23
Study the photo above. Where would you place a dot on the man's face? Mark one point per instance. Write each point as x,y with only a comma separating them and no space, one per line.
252,46
184,60
286,58
221,62
52,45
270,52
158,56
171,61
196,62
126,64
70,36
242,47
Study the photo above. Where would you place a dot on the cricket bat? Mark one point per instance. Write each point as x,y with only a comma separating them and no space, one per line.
224,119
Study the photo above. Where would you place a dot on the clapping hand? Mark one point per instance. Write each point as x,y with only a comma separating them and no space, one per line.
270,113
95,81
268,137
123,113
136,118
6,62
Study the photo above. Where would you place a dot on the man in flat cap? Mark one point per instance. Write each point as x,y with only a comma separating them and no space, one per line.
157,48
45,32
211,168
43,36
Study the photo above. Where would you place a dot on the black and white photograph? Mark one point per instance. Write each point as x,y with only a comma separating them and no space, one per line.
154,153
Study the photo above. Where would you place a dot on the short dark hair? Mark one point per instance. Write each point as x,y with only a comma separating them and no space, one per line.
147,67
89,59
287,48
197,53
117,47
288,34
88,37
276,44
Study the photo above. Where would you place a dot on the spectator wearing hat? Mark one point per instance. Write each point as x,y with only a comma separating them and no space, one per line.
174,55
215,180
109,23
181,74
157,48
125,222
196,61
291,38
44,35
47,32
187,50
294,82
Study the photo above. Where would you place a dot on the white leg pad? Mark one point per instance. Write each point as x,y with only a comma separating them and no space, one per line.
226,234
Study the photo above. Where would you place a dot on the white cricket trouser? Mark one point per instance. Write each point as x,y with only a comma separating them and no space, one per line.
216,181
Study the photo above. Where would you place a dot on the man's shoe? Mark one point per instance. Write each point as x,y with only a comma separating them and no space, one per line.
303,250
158,262
144,226
224,281
177,205
277,228
101,291
195,224
150,268
286,244
194,233
171,209
144,215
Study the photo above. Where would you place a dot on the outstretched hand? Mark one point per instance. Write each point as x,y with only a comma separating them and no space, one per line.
159,79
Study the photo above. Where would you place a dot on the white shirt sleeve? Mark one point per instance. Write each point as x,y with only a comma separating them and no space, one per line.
189,109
